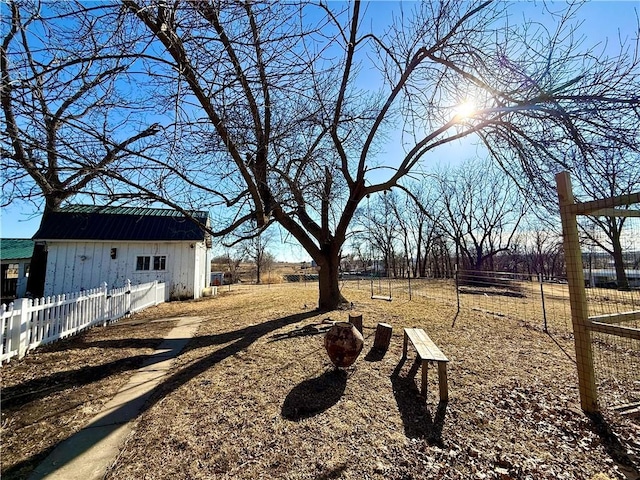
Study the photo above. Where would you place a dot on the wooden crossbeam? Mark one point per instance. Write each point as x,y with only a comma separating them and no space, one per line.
626,332
615,212
617,317
588,208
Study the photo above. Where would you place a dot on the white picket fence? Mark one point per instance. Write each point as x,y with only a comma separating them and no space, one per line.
28,323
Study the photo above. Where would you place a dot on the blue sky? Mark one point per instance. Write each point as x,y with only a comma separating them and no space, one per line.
602,20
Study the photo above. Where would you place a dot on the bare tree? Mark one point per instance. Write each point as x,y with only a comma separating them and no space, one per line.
611,173
440,259
424,210
547,255
230,262
420,210
481,212
275,94
536,250
65,104
255,249
360,256
383,232
404,258
274,117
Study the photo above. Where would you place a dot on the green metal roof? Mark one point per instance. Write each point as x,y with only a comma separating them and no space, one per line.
138,211
91,222
15,248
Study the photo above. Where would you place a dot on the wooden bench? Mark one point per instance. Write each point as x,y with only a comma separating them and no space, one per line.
427,352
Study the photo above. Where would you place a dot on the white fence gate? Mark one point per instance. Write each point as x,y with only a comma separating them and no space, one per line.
26,323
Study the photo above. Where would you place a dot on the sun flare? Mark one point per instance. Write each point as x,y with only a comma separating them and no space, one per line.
465,110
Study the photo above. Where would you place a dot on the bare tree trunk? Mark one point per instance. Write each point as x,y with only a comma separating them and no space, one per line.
618,260
38,265
37,271
330,297
258,273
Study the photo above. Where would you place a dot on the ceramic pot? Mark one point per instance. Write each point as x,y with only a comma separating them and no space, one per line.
343,343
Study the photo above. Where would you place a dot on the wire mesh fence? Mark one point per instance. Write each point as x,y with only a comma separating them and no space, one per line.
528,300
617,367
613,301
516,297
601,241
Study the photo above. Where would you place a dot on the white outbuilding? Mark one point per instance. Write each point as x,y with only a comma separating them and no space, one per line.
89,245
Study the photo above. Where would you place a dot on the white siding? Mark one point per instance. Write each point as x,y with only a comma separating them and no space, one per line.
202,267
72,266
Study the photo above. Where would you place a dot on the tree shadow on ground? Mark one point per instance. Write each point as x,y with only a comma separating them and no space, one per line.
305,331
21,470
314,396
416,416
118,343
20,394
243,337
79,342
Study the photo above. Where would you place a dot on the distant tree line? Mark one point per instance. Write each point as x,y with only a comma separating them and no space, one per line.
253,251
472,217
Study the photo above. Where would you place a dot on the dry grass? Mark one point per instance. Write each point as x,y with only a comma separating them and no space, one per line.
254,396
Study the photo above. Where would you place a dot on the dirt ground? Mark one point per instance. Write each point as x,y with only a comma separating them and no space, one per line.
254,395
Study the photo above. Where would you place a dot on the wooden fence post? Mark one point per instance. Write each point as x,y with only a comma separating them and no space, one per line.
577,295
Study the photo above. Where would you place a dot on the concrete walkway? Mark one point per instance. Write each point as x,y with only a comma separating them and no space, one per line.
87,454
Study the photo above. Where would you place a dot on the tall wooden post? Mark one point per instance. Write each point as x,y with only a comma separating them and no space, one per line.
577,295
